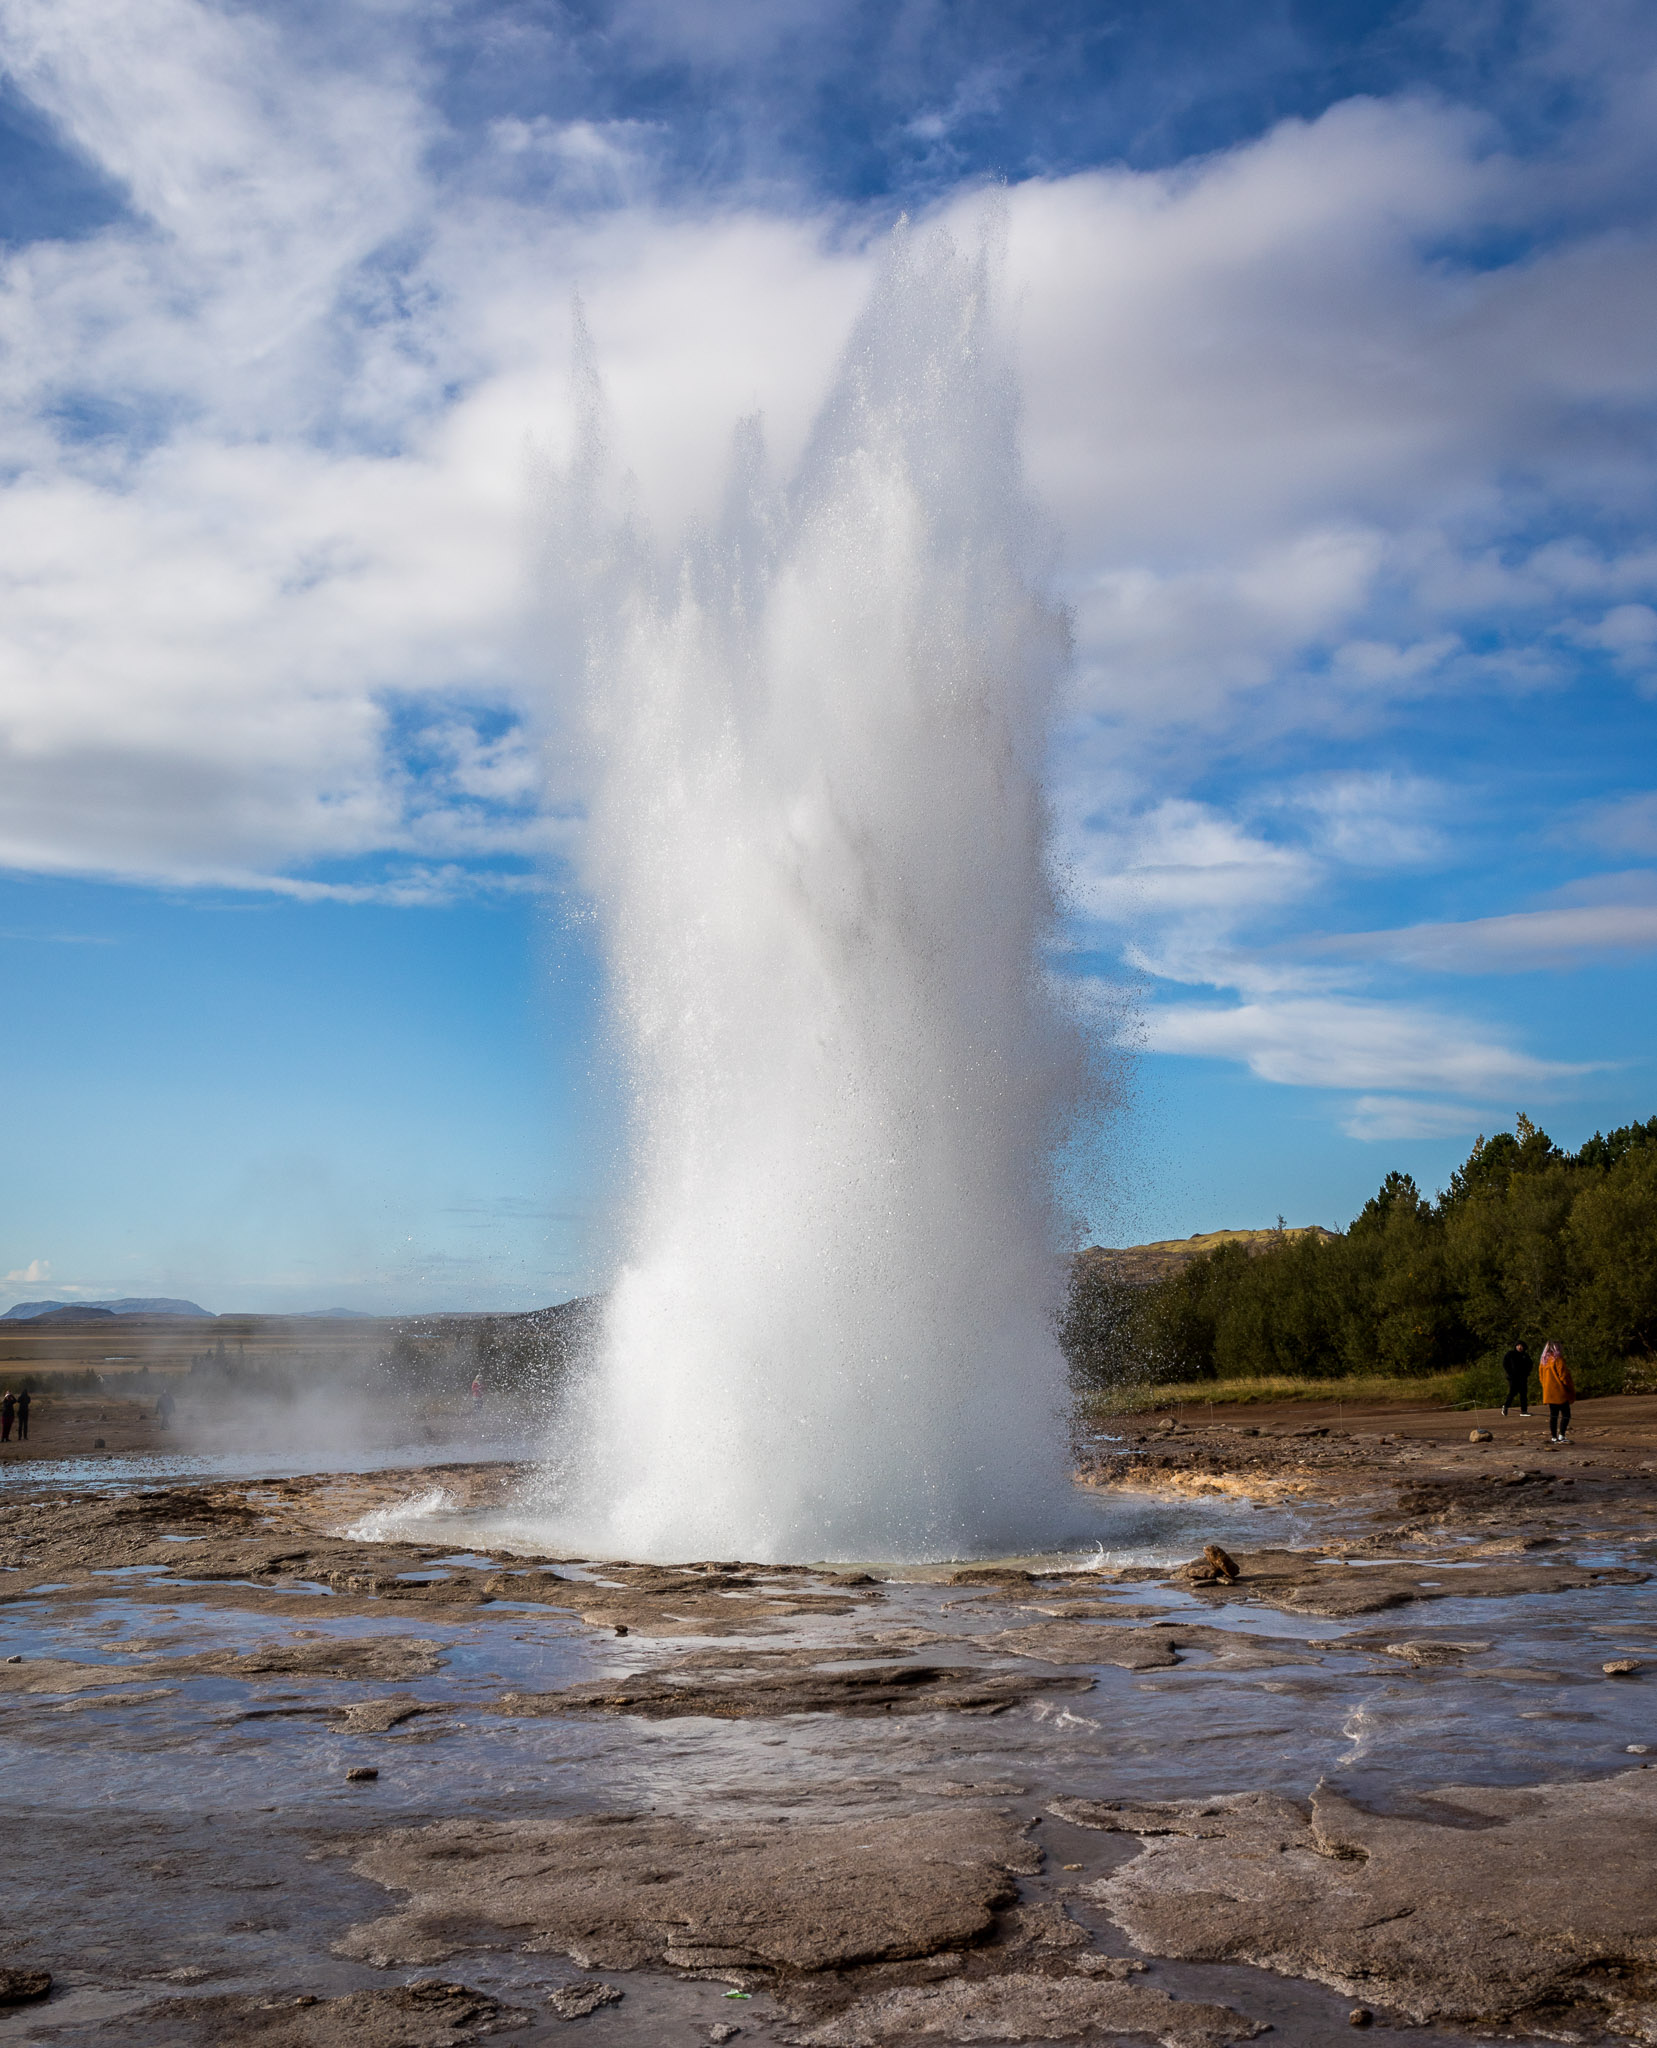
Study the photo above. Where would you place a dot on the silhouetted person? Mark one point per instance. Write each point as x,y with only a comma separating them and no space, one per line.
1517,1367
1558,1390
23,1400
8,1408
164,1408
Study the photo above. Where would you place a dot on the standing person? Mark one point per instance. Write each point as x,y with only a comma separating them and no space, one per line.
1516,1365
23,1401
1558,1390
164,1408
8,1408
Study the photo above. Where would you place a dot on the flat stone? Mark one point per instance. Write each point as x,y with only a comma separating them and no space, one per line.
1155,1648
1431,1651
626,1891
1522,1900
1307,1582
428,2014
1021,2007
575,2001
376,1717
764,1694
21,1987
390,1657
67,1675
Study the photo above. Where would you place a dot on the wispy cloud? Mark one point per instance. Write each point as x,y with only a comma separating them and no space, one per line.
1373,1118
1624,824
1514,943
1342,1042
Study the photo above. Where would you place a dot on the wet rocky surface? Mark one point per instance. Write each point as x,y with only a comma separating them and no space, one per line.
270,1780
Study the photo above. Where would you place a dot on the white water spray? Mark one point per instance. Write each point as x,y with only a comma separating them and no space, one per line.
817,850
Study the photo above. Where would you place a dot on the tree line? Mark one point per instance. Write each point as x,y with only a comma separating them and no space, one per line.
1527,1241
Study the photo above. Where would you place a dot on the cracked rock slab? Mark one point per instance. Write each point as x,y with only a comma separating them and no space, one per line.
68,1675
378,1717
624,1891
429,2014
1145,1649
877,1689
1521,1902
576,2001
1028,2008
391,1657
1311,1582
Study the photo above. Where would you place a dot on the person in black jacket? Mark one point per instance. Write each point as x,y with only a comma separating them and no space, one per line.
1516,1365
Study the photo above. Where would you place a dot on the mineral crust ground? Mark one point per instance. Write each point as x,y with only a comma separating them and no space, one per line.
265,1781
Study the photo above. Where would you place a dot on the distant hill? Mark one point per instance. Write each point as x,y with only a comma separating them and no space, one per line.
1139,1264
128,1305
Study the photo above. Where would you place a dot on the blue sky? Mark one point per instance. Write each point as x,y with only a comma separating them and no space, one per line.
1334,324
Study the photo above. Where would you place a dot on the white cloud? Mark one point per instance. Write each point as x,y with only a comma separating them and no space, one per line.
1347,1042
1374,1117
37,1273
1519,941
1626,824
1628,633
264,443
1177,881
1185,856
1372,820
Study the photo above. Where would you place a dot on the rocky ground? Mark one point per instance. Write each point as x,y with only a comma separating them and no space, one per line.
1356,1718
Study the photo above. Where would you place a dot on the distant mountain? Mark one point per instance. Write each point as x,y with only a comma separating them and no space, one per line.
128,1305
1136,1265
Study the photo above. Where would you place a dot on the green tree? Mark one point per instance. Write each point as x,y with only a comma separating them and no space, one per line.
1612,1237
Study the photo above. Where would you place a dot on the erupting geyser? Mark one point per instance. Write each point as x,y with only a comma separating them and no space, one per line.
817,849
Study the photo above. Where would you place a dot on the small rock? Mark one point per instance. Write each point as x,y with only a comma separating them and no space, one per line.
1481,1436
1621,1667
1419,1653
18,1987
1639,1749
1222,1562
14,1660
621,1628
97,1443
575,2001
722,2030
1073,1866
1360,2016
359,1774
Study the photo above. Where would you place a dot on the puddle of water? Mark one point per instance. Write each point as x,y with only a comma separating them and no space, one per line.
109,1472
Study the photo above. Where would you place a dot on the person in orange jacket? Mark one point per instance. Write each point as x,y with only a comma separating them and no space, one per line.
1558,1390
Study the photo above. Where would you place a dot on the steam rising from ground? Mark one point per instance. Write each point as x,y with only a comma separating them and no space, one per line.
818,853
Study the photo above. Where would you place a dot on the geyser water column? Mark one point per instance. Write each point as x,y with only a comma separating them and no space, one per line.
817,851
